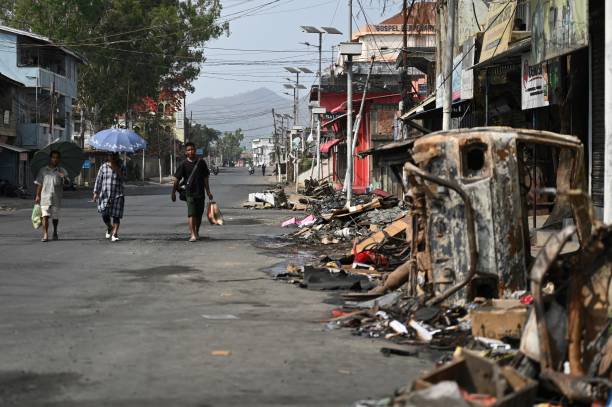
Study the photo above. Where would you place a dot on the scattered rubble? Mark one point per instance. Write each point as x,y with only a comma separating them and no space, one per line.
523,312
268,199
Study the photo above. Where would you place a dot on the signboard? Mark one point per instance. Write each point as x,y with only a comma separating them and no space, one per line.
534,81
457,69
180,119
86,164
331,116
500,22
200,151
472,16
558,27
456,82
467,74
7,117
23,156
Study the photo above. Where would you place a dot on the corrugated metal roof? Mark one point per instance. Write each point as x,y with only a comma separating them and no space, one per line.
40,38
14,148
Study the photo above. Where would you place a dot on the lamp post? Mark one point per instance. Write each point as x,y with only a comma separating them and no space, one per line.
296,99
320,31
349,49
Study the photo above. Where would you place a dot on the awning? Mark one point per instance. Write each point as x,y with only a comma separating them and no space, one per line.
420,107
325,147
395,146
14,148
514,50
357,101
10,80
420,114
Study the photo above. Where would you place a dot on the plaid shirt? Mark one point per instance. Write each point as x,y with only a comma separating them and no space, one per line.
109,188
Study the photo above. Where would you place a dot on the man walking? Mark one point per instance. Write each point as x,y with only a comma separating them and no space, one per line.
193,173
49,188
263,169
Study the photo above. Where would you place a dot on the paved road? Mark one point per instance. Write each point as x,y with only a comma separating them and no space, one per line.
84,322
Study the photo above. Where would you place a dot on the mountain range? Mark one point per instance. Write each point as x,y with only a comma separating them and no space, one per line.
250,111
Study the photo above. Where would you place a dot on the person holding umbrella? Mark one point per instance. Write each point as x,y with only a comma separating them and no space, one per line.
49,188
108,189
108,193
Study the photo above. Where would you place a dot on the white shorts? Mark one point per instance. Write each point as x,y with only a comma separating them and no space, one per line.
51,211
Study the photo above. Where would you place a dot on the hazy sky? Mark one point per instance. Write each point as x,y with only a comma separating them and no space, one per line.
272,27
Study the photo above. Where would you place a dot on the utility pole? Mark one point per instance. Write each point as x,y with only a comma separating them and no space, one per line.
127,105
319,102
82,138
348,181
447,77
276,147
297,99
52,112
404,70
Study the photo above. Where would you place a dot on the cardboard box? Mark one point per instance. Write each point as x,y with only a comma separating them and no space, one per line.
499,318
477,375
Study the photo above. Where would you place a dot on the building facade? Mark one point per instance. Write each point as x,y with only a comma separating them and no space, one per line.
49,74
263,151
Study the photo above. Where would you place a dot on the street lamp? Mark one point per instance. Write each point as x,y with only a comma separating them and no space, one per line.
349,49
297,71
320,31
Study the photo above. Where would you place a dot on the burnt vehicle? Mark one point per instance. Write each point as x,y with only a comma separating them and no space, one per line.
484,201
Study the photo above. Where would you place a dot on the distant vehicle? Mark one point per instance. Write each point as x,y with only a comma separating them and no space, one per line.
214,169
251,170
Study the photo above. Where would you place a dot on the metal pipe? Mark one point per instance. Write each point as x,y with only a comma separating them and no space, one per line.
471,229
319,100
447,107
544,260
348,179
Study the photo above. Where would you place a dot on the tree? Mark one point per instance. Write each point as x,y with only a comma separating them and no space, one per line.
204,136
229,146
133,48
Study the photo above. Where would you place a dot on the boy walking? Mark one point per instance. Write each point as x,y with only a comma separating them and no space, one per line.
194,174
49,189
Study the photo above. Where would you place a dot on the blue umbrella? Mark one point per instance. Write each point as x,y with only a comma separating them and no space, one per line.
118,141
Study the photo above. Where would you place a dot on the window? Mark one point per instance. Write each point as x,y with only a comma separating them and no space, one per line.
422,89
473,160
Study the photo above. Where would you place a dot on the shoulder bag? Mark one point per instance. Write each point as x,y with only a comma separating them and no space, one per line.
183,188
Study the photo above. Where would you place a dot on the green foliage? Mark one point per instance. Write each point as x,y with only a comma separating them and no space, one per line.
229,146
141,45
204,136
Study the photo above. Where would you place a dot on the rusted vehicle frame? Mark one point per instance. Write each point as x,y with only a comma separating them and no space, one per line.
469,216
498,144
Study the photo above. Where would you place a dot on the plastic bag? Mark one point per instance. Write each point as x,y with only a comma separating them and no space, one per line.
36,216
214,214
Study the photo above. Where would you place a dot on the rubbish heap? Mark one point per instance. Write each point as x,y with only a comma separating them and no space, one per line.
550,347
268,199
462,265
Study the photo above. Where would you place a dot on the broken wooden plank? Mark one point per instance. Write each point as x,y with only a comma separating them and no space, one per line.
392,230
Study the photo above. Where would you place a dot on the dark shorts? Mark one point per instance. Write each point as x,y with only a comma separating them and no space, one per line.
195,206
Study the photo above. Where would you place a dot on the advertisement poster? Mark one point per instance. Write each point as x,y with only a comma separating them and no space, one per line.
534,84
467,74
558,28
499,29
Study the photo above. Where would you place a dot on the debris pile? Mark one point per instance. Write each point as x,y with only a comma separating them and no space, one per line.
330,221
515,287
267,199
551,345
